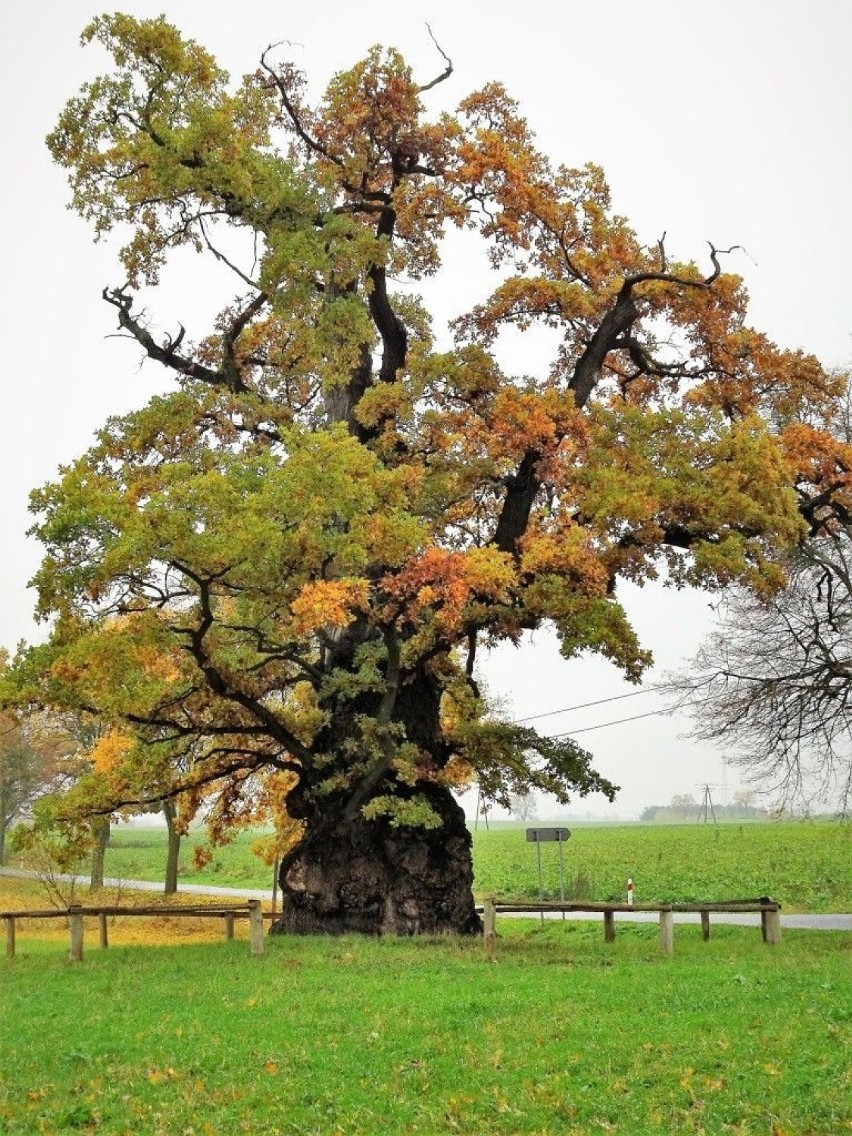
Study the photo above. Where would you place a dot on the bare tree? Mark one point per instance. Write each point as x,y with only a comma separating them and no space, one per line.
684,805
774,681
522,805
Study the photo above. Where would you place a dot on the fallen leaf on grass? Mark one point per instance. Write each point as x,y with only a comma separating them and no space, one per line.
157,1075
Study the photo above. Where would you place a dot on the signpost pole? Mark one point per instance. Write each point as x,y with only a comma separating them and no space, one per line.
540,889
561,875
536,836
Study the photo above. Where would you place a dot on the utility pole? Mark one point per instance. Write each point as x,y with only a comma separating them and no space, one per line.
705,809
484,811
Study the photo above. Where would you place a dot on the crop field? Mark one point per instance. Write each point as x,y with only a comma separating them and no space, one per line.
807,866
563,1034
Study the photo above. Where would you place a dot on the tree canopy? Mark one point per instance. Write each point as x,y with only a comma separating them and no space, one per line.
276,577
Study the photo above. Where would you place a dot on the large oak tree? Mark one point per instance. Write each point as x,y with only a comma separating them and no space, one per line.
282,570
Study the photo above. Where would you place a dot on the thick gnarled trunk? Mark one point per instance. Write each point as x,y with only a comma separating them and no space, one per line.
365,876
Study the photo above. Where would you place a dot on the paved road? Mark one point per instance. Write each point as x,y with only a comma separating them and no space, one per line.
834,922
148,885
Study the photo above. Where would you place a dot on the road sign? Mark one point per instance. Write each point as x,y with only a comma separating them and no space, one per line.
537,835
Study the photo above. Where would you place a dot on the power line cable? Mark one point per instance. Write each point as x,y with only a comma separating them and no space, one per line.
583,705
601,725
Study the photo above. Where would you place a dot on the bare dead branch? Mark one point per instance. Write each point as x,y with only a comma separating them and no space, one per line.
292,113
445,74
220,256
166,353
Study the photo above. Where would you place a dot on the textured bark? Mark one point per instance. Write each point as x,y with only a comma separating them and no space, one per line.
100,831
173,853
348,874
517,506
354,875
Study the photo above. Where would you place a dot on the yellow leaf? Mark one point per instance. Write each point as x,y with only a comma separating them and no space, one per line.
109,751
328,603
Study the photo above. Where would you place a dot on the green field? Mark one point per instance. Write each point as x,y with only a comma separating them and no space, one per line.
807,866
341,1037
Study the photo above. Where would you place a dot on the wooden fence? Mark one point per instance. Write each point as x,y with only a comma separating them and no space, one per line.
768,909
76,914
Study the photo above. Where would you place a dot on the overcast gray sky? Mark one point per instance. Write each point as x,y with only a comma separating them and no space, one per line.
726,121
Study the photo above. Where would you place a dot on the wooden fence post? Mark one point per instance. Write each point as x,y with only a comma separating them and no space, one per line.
102,929
255,926
229,925
609,926
771,926
489,924
666,931
705,924
10,936
75,928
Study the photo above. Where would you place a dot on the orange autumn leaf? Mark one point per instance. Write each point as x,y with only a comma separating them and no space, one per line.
109,751
328,603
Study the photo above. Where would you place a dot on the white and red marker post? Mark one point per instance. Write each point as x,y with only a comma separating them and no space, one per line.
630,892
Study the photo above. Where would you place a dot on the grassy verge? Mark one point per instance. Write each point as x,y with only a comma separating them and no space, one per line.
157,930
564,1034
807,866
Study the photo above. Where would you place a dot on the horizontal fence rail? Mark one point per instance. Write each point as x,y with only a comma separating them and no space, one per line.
75,915
768,909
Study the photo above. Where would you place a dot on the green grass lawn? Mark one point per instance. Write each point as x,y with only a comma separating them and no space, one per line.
563,1034
805,865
